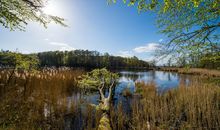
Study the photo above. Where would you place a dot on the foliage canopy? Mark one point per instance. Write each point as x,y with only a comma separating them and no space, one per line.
15,14
192,26
18,60
98,78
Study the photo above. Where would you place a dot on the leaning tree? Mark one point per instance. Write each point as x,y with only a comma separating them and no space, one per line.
101,80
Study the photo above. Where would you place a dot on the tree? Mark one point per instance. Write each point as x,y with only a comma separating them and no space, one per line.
192,26
15,14
101,79
18,61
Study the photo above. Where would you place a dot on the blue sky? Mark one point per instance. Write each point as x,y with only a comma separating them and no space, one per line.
93,25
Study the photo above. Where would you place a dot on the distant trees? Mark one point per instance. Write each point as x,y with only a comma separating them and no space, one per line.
18,61
78,58
88,59
15,14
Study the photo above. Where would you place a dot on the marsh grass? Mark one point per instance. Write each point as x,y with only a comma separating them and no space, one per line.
196,106
195,71
36,100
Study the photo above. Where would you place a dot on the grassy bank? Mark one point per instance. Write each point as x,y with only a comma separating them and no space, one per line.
195,71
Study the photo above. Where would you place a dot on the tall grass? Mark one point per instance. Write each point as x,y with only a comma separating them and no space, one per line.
36,100
196,71
193,107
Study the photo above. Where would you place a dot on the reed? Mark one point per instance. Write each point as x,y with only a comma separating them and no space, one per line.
195,71
36,100
193,107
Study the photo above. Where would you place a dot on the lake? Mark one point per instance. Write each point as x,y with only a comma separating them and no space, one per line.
163,80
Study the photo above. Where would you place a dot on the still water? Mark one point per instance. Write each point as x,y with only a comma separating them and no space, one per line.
163,80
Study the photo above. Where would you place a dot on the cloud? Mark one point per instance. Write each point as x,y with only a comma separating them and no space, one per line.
26,52
150,47
62,46
160,40
125,54
46,39
149,58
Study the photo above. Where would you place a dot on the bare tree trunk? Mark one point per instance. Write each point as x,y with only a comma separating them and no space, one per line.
104,106
104,123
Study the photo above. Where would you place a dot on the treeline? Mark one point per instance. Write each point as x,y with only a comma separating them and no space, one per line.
89,59
77,58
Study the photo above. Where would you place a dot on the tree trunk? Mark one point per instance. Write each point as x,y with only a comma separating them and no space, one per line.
104,123
104,106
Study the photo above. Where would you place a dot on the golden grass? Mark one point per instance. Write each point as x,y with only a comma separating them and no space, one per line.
196,71
194,107
36,100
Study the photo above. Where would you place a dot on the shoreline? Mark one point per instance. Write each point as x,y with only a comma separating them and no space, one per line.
192,71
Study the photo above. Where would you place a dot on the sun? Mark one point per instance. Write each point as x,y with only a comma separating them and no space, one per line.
53,8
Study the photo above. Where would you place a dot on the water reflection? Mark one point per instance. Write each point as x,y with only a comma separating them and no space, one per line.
163,80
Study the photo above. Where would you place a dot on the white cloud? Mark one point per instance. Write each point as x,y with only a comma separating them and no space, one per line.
62,46
26,52
150,47
149,58
46,39
125,54
160,40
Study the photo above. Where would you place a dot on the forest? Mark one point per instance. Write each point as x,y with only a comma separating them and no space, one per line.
93,59
77,58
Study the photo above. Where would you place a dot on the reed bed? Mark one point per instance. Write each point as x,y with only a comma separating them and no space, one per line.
196,106
195,71
36,100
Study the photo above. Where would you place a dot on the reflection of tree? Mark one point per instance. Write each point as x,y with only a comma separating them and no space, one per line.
169,77
132,76
174,74
152,74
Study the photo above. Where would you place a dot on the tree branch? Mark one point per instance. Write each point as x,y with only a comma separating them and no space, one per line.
110,90
101,91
